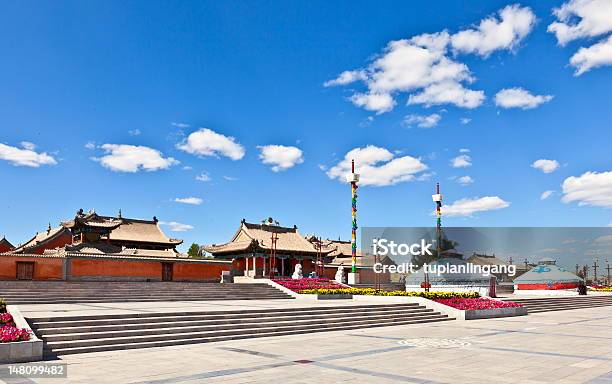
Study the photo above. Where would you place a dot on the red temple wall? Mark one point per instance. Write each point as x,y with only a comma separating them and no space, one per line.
199,271
81,268
44,268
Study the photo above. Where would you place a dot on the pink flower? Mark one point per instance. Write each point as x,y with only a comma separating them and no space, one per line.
480,303
308,283
9,334
6,318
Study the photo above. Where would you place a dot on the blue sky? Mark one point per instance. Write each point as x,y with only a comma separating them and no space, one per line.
244,94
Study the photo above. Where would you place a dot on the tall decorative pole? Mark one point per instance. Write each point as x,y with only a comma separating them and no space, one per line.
437,198
353,178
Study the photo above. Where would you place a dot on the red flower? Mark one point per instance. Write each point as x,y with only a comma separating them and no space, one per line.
308,283
10,334
480,303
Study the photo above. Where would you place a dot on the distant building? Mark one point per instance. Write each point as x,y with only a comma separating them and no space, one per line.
547,275
90,233
491,260
95,247
251,247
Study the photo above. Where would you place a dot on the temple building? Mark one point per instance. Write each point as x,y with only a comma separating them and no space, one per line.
254,245
5,245
95,247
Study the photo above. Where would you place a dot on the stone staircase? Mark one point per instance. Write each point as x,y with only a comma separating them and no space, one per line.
82,334
61,292
548,304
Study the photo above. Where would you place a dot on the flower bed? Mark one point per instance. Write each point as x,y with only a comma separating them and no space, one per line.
6,319
467,304
307,284
380,292
600,288
10,334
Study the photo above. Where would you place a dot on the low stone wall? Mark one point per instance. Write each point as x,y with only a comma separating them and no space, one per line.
340,296
22,351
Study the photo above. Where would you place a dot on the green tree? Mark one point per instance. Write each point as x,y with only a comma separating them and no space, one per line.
194,251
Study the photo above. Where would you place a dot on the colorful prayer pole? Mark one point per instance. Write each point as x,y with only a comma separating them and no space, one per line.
437,198
353,178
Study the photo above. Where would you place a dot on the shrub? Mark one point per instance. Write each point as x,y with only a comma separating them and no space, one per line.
380,292
2,306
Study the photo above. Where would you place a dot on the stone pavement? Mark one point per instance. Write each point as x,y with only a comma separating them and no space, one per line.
555,347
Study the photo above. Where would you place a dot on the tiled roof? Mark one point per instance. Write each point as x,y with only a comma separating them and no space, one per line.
41,238
6,243
141,231
260,236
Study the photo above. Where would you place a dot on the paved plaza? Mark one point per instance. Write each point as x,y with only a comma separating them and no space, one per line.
556,347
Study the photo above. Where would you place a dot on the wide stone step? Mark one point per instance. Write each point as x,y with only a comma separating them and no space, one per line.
171,316
101,348
563,308
128,300
214,321
238,325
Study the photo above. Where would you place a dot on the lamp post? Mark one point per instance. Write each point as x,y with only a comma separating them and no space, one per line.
353,179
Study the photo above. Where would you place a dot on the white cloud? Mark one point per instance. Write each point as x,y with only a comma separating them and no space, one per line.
377,102
448,92
230,178
461,161
423,67
133,158
176,227
423,121
25,156
409,65
546,166
187,168
464,150
205,142
134,132
28,145
519,98
591,188
610,224
597,55
280,157
346,77
465,180
90,145
189,200
506,32
595,19
546,194
465,120
180,125
467,207
204,176
377,167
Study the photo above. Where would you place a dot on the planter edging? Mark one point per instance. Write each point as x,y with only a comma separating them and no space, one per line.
21,351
